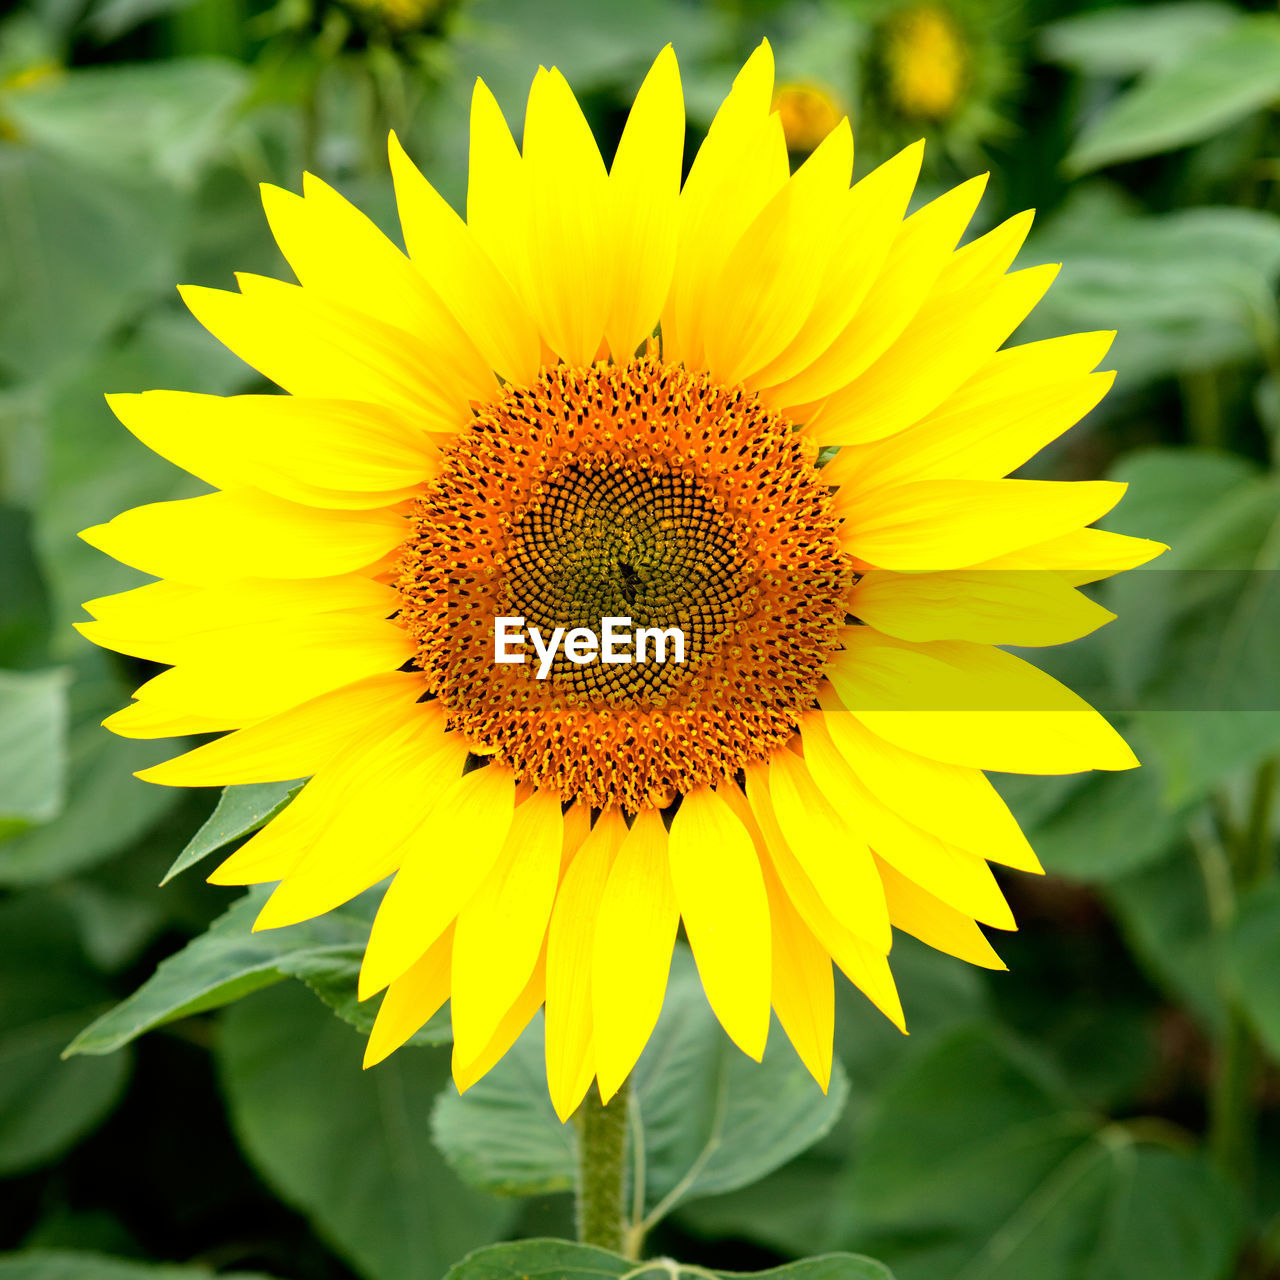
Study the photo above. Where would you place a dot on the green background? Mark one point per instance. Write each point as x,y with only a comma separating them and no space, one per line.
1107,1110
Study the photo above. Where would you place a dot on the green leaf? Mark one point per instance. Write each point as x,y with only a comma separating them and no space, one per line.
1253,960
107,809
219,967
1164,914
1169,489
712,1119
165,119
791,1210
350,1149
48,990
332,973
59,1265
110,19
1103,825
1220,80
24,604
1127,39
239,811
562,1260
1188,290
33,750
95,468
78,252
1193,645
980,1165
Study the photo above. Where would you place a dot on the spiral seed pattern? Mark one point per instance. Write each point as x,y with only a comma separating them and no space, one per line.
641,491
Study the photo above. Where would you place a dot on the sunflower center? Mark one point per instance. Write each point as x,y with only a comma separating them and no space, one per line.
642,492
616,541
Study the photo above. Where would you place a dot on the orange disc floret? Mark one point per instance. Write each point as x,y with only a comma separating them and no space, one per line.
638,491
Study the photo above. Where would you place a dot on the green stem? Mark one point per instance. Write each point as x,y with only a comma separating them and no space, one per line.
602,1170
1261,848
1232,1099
1203,409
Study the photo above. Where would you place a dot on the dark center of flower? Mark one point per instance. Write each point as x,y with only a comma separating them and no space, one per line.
644,492
614,541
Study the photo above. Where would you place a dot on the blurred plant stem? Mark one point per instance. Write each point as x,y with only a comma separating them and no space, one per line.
1239,1058
1203,408
602,1170
210,27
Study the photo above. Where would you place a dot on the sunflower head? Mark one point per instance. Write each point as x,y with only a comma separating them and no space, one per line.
761,418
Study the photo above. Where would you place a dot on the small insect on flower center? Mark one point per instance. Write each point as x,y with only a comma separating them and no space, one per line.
637,491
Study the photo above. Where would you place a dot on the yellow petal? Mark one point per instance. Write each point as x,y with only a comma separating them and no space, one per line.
631,958
260,670
311,346
514,1021
989,606
972,705
443,248
501,931
865,966
868,222
245,533
448,856
571,230
644,185
141,720
370,803
919,913
279,849
498,192
722,900
326,453
919,252
570,1064
960,879
834,856
1084,555
164,612
410,1001
972,437
297,742
740,166
1039,364
372,275
962,808
985,257
772,276
803,990
954,524
944,345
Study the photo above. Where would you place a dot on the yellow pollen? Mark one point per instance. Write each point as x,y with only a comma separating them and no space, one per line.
640,491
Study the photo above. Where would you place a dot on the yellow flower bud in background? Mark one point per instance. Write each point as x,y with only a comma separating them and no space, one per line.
925,62
808,111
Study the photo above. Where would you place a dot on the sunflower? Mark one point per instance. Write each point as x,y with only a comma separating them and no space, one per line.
605,394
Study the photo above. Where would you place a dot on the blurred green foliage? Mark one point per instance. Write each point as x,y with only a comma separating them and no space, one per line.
1109,1109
